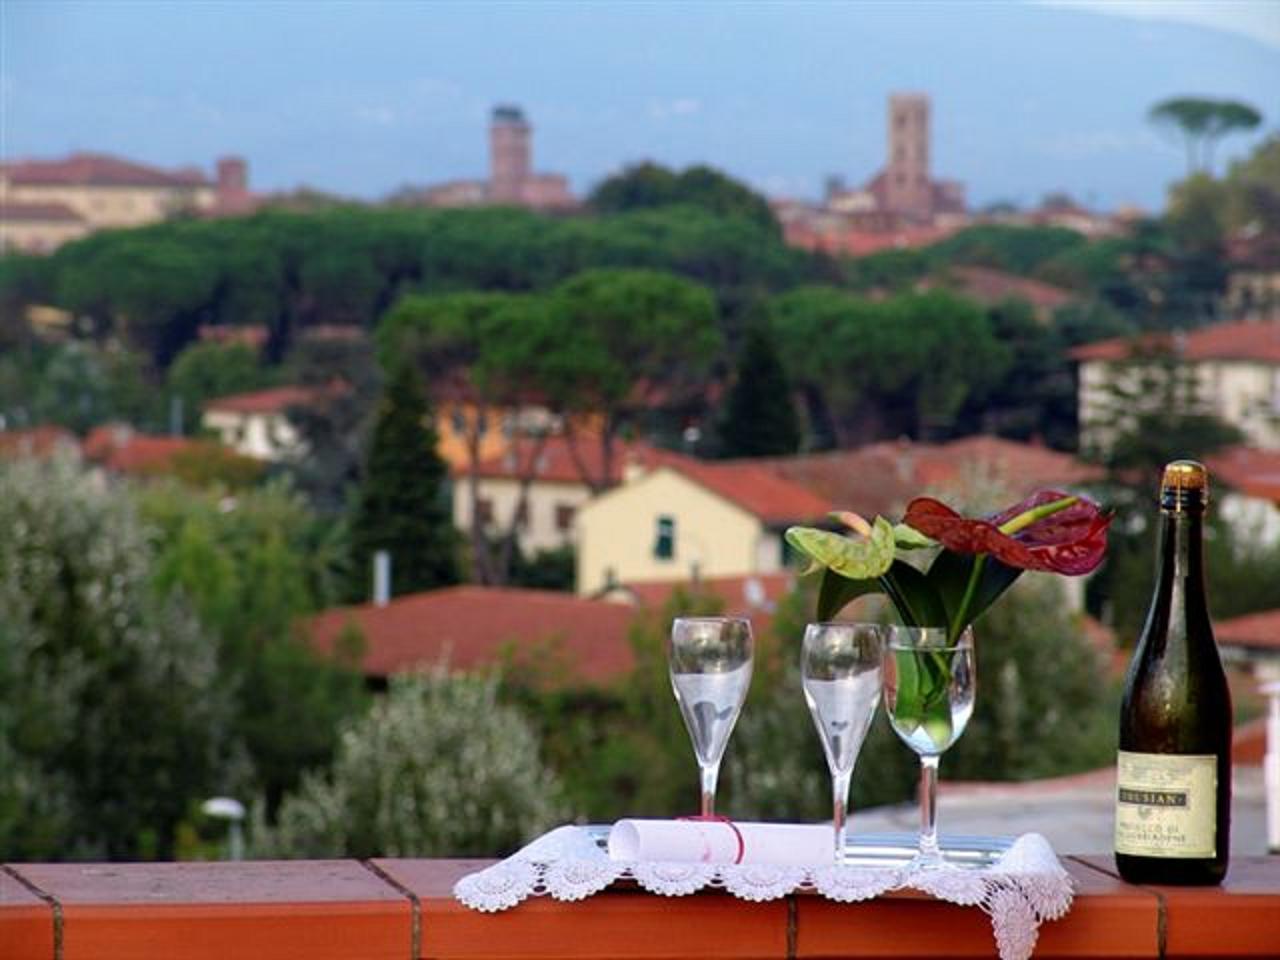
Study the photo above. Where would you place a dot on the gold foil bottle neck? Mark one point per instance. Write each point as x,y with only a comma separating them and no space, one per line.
1184,482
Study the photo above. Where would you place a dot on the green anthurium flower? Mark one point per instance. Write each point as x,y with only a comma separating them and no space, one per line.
857,558
909,538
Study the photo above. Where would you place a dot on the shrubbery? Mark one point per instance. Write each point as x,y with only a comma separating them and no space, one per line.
436,768
113,715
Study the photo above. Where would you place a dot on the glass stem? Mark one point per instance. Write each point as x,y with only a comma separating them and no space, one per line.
929,851
710,775
840,811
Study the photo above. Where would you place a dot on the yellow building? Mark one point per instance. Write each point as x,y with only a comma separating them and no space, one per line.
38,227
44,203
689,520
460,423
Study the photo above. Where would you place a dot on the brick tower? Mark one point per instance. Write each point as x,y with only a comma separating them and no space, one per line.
509,163
907,189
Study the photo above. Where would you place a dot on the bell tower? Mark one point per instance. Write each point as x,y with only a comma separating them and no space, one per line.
908,189
509,154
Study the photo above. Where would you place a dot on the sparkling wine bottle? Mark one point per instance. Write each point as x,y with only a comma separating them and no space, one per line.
1173,776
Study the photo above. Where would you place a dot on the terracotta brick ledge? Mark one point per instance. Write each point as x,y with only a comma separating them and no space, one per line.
404,909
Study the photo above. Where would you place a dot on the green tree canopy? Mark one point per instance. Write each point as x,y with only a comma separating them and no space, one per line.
77,385
497,347
204,371
648,185
628,340
877,369
1017,250
759,415
1201,122
152,287
1035,397
403,504
334,427
253,566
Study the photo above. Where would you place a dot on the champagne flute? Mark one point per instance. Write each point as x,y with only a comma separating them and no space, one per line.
710,660
840,668
929,687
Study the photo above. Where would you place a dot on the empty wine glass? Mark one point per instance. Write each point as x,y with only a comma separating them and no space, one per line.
840,668
710,660
929,688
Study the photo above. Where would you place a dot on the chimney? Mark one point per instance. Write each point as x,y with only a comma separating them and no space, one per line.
381,578
633,468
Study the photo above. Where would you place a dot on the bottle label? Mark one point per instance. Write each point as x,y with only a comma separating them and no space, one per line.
1165,805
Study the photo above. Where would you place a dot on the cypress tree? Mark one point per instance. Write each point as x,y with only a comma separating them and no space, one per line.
759,413
403,504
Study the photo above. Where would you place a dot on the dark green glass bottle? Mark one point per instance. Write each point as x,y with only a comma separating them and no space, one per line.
1173,782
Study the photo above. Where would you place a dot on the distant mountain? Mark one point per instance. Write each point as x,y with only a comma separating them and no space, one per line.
361,98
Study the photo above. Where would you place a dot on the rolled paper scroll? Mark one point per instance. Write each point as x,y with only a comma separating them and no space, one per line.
721,841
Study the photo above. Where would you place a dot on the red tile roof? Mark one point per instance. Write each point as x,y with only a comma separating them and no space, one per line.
755,597
251,335
1026,465
1258,342
881,477
1253,472
121,449
993,286
97,169
273,400
554,461
474,627
334,332
861,243
15,211
756,488
40,442
1258,631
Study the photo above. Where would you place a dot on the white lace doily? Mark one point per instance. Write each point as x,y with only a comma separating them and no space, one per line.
1024,887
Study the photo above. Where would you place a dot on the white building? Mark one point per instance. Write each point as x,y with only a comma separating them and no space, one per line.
1246,491
257,424
555,480
1234,367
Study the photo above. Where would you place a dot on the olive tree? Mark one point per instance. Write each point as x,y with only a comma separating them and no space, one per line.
436,768
113,720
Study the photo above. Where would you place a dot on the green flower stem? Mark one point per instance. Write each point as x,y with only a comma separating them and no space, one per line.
1035,515
962,611
899,600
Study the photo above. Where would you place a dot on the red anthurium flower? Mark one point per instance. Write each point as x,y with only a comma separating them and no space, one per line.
1070,541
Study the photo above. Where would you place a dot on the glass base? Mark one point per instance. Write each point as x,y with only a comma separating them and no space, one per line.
895,849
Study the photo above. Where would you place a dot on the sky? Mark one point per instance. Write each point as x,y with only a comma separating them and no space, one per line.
363,98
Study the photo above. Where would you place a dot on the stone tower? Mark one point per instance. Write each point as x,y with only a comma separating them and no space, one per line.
908,190
509,155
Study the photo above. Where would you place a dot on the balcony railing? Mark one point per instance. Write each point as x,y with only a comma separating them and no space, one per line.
404,909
